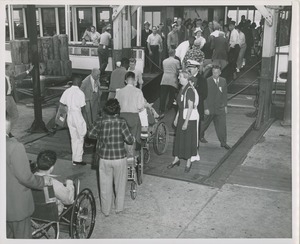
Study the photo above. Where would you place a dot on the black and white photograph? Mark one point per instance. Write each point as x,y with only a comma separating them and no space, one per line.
153,121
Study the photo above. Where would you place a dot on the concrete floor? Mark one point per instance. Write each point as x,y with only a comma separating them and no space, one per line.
166,208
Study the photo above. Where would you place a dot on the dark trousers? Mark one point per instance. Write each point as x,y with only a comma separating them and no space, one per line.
165,92
103,58
154,58
232,58
220,126
19,229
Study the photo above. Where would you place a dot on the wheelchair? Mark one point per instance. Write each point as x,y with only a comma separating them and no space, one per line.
77,219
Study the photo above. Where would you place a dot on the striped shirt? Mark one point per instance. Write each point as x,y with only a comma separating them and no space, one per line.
111,132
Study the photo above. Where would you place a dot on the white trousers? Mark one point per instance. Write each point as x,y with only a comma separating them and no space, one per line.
77,128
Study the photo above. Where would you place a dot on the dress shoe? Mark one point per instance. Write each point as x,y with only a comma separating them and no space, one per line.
227,147
187,169
79,163
203,140
171,165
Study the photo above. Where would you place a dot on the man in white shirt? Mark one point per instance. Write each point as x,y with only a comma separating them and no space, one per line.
243,46
138,73
234,49
45,165
183,47
74,99
154,44
93,35
103,53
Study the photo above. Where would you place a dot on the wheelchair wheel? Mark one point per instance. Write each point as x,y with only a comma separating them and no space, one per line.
133,191
161,138
146,155
42,232
83,215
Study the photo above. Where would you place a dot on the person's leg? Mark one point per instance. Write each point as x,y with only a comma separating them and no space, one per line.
106,185
9,230
105,61
20,229
220,127
163,98
77,131
120,180
73,134
206,122
172,91
156,57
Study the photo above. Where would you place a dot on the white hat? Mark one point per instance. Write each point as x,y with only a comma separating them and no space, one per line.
197,29
192,63
146,23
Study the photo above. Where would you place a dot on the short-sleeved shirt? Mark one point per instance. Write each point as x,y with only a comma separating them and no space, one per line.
171,67
117,79
111,132
138,76
131,99
95,37
172,39
154,40
182,49
74,98
105,38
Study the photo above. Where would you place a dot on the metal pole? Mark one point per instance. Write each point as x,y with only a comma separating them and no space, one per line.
38,125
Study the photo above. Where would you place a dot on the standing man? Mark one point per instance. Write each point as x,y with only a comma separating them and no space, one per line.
103,52
91,89
117,78
169,82
77,120
172,39
200,83
145,33
181,31
234,50
216,106
154,43
138,73
219,46
132,102
10,91
19,181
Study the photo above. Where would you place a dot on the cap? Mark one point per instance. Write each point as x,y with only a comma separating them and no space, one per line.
146,23
108,27
197,29
192,63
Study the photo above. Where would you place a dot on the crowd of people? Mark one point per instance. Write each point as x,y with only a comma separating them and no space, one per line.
185,50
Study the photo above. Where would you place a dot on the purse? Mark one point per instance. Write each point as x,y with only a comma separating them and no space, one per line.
61,115
194,114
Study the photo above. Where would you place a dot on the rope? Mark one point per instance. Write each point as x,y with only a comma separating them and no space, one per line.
234,95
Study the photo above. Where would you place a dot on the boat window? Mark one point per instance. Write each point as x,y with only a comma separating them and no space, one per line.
103,18
84,20
18,22
62,20
48,20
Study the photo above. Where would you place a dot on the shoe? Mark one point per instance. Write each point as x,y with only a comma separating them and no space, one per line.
227,147
203,140
171,165
79,163
187,169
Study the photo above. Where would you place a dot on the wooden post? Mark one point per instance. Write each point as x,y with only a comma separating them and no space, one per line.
139,27
117,38
267,70
38,125
56,50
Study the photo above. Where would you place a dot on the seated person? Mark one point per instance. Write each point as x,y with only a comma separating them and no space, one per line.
45,165
148,116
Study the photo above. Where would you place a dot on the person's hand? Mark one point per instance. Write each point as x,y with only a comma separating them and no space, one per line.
184,126
175,121
69,182
226,111
206,111
47,180
150,53
30,68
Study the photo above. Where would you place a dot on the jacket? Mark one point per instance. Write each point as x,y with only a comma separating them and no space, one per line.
216,100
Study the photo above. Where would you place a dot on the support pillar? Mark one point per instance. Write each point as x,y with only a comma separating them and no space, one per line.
139,27
267,70
117,38
38,125
126,22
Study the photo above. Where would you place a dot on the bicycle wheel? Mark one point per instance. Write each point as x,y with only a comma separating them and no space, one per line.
83,215
161,138
133,191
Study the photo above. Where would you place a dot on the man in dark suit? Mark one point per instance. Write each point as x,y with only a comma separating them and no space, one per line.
19,180
145,33
219,45
215,106
200,83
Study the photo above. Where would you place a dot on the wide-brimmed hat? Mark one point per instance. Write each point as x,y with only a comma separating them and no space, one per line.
197,29
192,63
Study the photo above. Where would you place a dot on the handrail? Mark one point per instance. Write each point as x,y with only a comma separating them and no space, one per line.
237,93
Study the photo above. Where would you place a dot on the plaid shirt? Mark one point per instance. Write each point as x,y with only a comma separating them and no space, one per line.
111,132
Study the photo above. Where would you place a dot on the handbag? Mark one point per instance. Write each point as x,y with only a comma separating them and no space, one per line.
61,115
194,114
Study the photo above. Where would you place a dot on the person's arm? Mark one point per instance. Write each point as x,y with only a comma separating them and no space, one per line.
224,92
188,115
148,45
85,116
21,169
176,119
169,41
64,193
128,138
23,74
140,80
140,101
94,130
